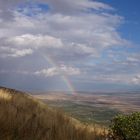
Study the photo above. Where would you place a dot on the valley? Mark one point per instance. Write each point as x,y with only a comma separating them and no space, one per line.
92,108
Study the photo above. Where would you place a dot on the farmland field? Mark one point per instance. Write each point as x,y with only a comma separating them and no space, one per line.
92,107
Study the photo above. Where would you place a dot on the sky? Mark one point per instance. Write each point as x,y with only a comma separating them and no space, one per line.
70,45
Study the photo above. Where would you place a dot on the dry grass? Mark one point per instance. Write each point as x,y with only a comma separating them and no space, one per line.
25,118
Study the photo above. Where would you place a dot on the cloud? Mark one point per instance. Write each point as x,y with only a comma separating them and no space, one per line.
19,46
20,53
80,36
95,30
13,52
62,70
7,8
136,79
124,79
77,36
35,41
28,43
72,7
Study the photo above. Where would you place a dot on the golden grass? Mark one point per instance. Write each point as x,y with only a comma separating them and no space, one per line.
5,95
25,118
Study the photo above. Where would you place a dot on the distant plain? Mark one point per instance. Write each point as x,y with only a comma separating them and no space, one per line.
91,107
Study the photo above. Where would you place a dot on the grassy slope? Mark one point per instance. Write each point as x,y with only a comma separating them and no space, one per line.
90,114
25,118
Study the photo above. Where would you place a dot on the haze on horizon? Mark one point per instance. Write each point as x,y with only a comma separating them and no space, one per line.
81,45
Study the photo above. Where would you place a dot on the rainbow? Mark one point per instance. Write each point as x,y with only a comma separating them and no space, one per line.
63,76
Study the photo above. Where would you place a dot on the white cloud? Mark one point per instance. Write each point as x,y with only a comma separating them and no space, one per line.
76,33
136,79
128,79
35,41
13,52
21,53
94,30
84,48
19,46
74,6
62,70
85,34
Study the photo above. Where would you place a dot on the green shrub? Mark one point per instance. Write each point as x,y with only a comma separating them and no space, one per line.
126,127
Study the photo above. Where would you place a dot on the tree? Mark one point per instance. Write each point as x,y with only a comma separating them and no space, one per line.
126,127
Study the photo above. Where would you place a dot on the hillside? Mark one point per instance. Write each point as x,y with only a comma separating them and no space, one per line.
23,117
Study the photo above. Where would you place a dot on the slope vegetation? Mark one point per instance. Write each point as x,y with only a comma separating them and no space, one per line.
23,117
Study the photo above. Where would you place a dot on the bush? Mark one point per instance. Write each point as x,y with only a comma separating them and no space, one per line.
126,127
